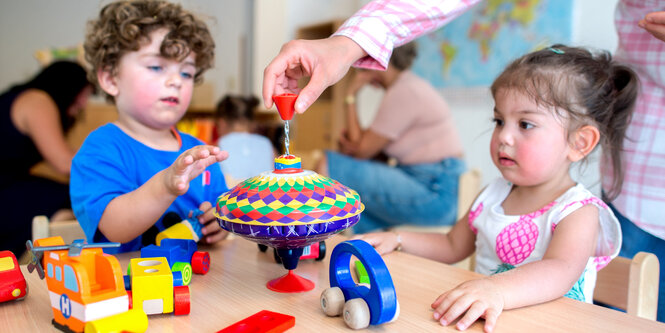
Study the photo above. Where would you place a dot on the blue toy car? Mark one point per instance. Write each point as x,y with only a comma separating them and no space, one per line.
361,304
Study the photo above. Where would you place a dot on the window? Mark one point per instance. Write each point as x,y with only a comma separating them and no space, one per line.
70,279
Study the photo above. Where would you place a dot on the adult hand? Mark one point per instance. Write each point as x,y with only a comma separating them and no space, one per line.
345,145
477,298
654,23
360,79
325,61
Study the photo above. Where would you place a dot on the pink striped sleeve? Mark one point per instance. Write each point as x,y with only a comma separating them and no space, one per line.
382,25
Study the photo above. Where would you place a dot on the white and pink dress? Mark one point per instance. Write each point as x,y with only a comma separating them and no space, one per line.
507,241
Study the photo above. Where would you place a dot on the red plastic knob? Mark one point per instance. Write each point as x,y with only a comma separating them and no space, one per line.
285,105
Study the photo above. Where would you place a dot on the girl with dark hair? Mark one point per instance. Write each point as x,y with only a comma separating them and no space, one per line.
537,234
35,116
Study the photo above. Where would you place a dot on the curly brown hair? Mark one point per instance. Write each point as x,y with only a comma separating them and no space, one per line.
124,26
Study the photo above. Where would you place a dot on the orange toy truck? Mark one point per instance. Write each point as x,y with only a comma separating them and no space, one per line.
85,286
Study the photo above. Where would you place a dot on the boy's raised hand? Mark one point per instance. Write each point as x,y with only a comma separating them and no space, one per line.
211,230
190,165
477,298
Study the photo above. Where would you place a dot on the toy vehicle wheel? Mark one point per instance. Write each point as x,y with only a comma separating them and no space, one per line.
185,269
263,248
26,293
356,314
201,262
396,313
127,280
181,300
322,251
332,301
278,259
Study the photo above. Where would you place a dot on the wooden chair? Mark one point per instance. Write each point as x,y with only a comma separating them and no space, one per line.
631,285
69,230
469,187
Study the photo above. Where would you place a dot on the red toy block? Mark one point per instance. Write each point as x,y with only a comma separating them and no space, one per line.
262,322
201,262
181,300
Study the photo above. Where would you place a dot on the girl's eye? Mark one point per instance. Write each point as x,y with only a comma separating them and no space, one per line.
155,68
526,125
186,75
497,121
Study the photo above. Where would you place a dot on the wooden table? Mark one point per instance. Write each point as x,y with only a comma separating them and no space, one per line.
235,289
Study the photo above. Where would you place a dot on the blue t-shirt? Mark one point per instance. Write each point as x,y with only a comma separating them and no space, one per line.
110,163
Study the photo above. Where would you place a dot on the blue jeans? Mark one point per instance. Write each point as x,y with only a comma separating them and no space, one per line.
423,194
636,240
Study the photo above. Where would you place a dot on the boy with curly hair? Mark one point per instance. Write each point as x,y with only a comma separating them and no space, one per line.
131,177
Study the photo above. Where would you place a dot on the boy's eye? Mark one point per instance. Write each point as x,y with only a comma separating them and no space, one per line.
186,75
155,68
497,121
526,125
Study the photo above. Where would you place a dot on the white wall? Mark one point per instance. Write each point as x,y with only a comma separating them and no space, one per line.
29,25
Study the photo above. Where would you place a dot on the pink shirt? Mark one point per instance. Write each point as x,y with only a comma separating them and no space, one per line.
417,120
382,25
642,198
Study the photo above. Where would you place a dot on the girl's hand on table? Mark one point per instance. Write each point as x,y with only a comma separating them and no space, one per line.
477,298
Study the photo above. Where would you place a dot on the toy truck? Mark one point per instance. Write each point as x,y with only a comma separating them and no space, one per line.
182,256
85,286
153,289
12,282
360,305
316,251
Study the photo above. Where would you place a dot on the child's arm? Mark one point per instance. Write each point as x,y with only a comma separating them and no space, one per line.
571,246
129,215
448,248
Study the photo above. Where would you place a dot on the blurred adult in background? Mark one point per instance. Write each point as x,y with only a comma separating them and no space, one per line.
640,204
414,126
34,119
249,153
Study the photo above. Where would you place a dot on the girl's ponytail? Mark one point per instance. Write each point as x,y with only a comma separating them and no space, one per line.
624,86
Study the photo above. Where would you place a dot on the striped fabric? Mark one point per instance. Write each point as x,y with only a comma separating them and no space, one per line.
382,25
642,198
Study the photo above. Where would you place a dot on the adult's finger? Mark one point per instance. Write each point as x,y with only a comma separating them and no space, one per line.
274,70
311,92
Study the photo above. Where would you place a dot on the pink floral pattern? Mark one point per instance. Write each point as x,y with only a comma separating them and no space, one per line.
517,241
473,214
601,262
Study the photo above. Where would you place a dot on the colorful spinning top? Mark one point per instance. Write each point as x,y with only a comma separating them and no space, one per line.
288,209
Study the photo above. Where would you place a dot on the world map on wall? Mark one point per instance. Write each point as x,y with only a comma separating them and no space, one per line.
474,48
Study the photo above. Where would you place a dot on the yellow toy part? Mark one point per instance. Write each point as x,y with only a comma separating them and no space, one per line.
182,230
131,321
152,285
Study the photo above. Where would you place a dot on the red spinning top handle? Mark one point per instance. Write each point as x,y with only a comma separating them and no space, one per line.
285,105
